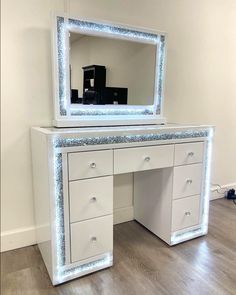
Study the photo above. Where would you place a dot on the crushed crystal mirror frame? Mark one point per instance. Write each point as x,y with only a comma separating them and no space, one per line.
71,115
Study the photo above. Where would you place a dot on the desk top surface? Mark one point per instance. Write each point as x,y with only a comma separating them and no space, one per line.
170,127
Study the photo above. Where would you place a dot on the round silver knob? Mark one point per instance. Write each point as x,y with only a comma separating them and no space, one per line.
189,181
93,165
93,239
147,159
191,154
93,199
187,213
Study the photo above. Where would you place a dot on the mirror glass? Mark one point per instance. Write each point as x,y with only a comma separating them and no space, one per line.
106,71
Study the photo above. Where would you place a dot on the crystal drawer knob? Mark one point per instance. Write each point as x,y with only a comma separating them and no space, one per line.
187,213
93,239
189,181
191,154
93,199
93,165
147,159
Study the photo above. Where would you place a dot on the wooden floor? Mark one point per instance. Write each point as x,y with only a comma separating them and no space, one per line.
143,264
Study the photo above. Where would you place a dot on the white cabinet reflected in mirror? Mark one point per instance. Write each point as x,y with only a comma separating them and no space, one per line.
107,74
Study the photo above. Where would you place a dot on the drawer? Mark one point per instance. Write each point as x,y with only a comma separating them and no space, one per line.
187,180
188,153
143,158
90,164
91,237
91,198
185,212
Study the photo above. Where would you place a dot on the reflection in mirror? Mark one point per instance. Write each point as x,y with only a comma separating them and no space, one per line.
111,71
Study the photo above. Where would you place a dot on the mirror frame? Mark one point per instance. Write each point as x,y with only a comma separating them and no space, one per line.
72,115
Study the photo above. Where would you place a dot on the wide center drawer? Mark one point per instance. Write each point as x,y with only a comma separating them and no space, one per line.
90,164
91,198
91,237
143,158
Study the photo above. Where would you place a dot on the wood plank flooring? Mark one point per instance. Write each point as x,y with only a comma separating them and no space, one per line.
143,264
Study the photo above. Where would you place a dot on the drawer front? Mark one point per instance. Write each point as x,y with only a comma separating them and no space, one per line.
90,164
185,212
143,158
188,153
187,180
91,198
91,237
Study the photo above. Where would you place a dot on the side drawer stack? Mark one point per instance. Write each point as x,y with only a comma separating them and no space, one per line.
187,183
90,203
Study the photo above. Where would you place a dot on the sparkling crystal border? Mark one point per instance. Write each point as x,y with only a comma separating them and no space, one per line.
113,112
85,26
61,64
101,140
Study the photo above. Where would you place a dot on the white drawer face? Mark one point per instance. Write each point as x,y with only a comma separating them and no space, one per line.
187,180
185,212
91,198
188,153
144,158
90,164
91,237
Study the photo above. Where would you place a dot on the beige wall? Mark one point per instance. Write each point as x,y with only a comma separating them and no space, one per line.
200,82
128,64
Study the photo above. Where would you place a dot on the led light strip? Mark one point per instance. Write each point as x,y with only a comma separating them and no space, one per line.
101,140
109,111
135,35
61,55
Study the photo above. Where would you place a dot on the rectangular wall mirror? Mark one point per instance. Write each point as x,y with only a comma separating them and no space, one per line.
107,74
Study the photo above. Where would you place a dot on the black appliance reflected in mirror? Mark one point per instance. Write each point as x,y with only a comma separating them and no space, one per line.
114,95
95,90
74,94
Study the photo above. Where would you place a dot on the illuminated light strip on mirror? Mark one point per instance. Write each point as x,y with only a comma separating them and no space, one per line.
58,218
65,25
61,53
160,75
75,24
181,237
109,111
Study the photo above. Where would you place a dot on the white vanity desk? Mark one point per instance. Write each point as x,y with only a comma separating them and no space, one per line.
73,180
76,168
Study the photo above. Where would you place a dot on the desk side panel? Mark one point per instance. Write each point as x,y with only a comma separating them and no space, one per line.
153,201
39,145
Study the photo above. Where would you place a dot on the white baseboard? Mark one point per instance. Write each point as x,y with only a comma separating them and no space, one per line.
123,214
19,238
224,188
26,236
